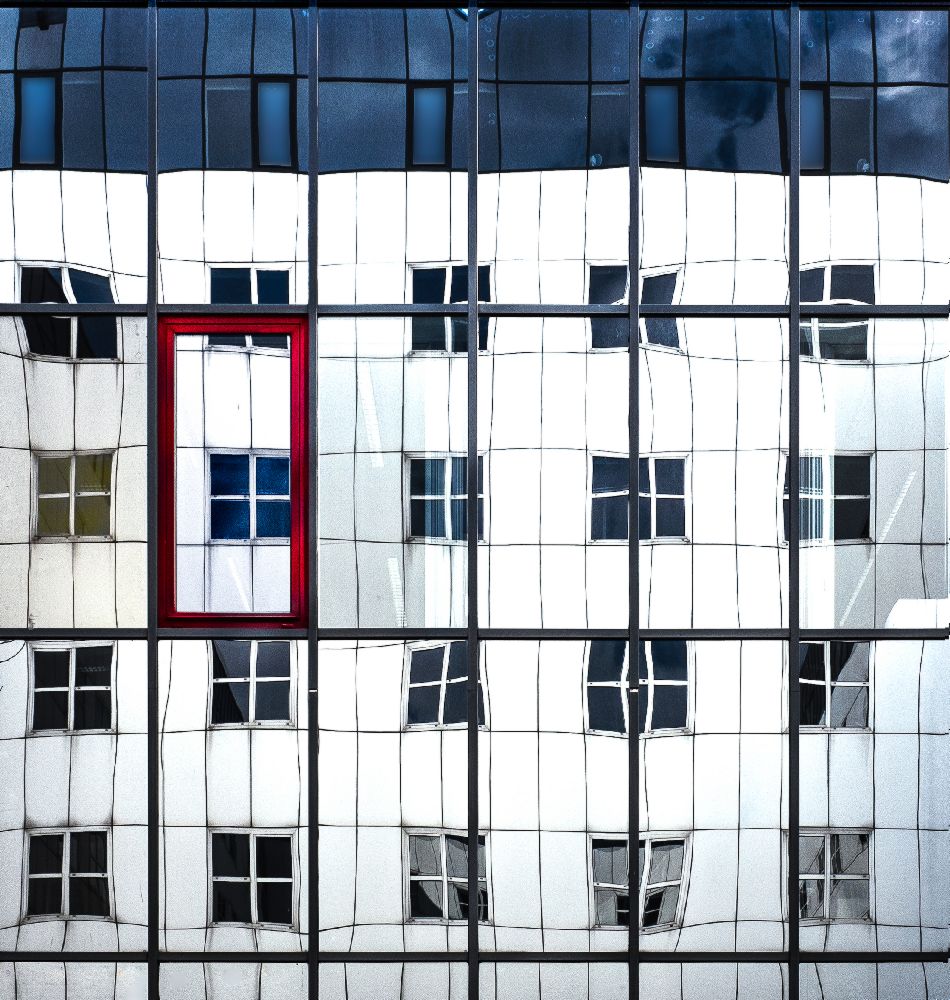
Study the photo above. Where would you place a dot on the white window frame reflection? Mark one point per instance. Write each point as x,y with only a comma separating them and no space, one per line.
656,272
71,300
72,495
252,497
66,875
445,878
252,834
828,876
816,326
442,684
827,497
447,496
252,681
828,685
654,496
644,885
253,268
70,647
445,351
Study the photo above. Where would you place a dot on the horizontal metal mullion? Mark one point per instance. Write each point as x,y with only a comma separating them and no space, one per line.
395,634
72,309
229,309
484,957
487,634
820,310
244,632
73,633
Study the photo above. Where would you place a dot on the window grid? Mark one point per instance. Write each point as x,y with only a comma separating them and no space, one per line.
791,633
96,879
253,880
50,466
253,498
834,860
445,878
71,688
662,864
253,679
828,685
447,689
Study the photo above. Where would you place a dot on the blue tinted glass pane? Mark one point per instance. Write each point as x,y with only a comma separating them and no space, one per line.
610,474
229,475
273,287
82,121
428,125
813,130
37,119
231,285
273,476
273,519
126,134
230,519
88,287
273,124
662,123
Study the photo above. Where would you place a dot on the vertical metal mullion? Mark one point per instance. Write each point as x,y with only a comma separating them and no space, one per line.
151,329
794,514
311,533
471,484
633,500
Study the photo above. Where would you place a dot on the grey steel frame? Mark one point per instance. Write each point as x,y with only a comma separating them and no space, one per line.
473,633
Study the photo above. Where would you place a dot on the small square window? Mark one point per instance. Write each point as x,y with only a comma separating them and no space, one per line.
252,878
437,877
68,874
447,284
250,682
74,495
437,687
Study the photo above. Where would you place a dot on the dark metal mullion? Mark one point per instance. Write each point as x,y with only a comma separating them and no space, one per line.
471,471
794,345
312,531
151,332
633,508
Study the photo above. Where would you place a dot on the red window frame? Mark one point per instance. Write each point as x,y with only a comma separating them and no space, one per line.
295,327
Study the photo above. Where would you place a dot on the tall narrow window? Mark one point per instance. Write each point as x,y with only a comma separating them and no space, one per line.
661,123
38,126
812,128
275,123
659,289
608,286
233,484
609,497
662,498
430,123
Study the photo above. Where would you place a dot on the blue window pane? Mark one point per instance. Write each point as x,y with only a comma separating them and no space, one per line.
610,474
273,287
229,475
427,477
89,287
661,105
273,124
82,121
179,125
231,285
37,119
812,130
230,519
273,477
228,124
429,107
126,133
273,519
